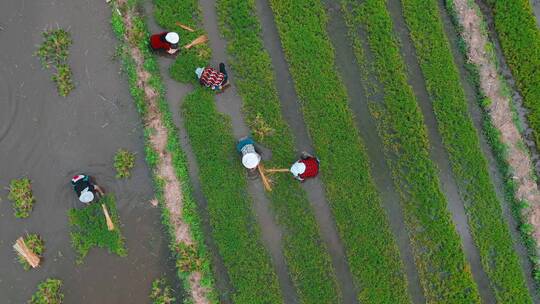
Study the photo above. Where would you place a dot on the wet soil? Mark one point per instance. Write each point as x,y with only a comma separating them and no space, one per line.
291,111
50,138
367,126
175,93
230,104
438,152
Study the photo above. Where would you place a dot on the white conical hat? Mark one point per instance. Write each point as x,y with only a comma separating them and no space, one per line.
298,168
251,160
86,196
172,37
199,71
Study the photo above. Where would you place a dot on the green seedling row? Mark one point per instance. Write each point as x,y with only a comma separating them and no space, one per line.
486,221
124,161
199,254
89,229
223,180
444,273
492,134
363,225
309,262
520,41
162,292
234,228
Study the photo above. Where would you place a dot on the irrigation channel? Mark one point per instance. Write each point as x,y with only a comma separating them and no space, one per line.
50,138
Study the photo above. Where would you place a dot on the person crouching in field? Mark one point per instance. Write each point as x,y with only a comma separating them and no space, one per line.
306,167
211,78
166,41
85,188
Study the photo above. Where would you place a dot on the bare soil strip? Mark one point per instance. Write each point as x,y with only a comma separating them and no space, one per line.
501,113
173,196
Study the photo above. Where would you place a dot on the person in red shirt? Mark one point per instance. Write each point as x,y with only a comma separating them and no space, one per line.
211,78
166,41
306,167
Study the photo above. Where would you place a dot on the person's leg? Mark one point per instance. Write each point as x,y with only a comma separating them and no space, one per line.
305,155
224,72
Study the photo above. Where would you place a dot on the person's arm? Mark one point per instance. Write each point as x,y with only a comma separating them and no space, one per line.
99,190
172,51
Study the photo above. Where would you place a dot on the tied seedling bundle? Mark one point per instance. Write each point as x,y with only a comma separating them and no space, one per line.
53,52
36,245
89,229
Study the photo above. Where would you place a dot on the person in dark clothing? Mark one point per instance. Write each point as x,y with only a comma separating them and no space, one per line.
306,167
211,78
165,41
85,188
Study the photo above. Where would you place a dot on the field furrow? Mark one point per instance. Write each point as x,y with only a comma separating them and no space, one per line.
355,203
487,224
308,260
444,272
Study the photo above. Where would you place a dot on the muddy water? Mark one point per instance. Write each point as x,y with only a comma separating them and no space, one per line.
49,138
230,104
439,154
536,9
477,116
352,78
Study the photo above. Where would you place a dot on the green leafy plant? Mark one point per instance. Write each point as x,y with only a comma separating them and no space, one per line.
89,229
55,46
20,193
48,293
162,293
63,81
54,52
124,161
36,244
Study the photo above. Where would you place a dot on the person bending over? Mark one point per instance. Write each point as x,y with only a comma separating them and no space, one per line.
85,188
306,167
210,78
165,41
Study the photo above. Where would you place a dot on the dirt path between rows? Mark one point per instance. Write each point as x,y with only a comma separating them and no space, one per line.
49,139
291,111
230,103
175,94
439,154
501,113
367,126
173,197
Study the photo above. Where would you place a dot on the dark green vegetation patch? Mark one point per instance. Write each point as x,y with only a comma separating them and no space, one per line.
89,229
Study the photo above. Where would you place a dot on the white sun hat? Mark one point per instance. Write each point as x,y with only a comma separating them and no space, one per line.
199,71
251,160
172,37
86,196
298,168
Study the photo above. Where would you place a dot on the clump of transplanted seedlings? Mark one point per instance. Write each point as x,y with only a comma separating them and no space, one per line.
48,293
162,293
36,245
124,161
53,53
20,193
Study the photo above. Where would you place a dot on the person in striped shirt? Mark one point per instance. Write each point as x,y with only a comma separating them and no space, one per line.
211,78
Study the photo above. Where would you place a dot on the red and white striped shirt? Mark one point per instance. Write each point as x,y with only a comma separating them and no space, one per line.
211,78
